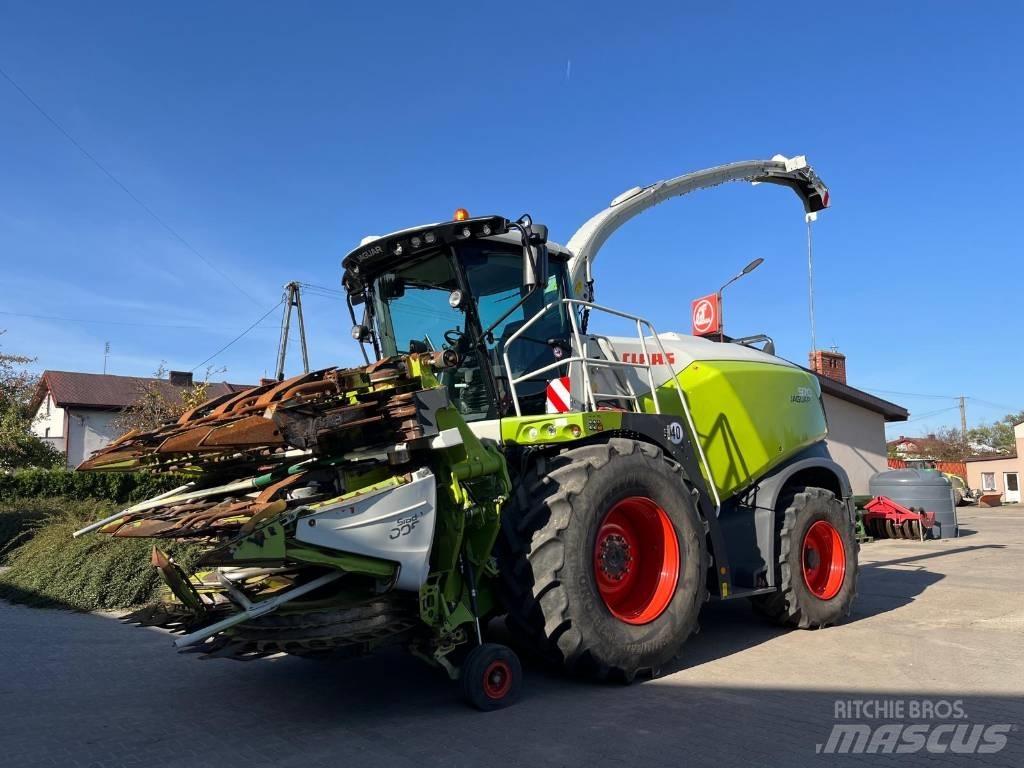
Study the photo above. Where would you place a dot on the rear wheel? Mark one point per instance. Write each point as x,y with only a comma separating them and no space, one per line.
817,567
603,561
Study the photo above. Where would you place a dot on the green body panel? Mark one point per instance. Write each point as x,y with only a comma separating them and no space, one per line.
557,427
749,416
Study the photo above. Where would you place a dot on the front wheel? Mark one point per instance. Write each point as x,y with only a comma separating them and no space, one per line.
491,677
603,561
817,566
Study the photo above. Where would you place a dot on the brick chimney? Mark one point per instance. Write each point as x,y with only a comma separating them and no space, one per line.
829,363
180,378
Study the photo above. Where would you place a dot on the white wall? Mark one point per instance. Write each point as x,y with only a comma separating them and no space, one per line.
88,430
856,440
49,423
49,417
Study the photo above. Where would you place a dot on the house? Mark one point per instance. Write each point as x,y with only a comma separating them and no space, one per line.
856,420
999,474
915,447
76,412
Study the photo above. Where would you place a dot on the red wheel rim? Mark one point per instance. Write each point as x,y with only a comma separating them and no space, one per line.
636,560
497,679
824,560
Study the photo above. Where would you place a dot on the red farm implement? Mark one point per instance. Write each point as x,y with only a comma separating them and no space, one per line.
884,518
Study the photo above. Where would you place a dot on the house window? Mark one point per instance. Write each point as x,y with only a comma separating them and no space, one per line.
47,432
47,405
988,481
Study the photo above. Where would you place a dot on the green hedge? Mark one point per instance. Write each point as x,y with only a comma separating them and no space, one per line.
117,487
94,572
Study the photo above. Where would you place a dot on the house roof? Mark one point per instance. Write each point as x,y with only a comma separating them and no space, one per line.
108,392
920,442
890,411
996,457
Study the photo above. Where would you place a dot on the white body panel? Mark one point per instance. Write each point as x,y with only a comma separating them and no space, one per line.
682,350
394,524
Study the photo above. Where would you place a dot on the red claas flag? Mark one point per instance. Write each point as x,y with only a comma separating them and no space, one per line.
706,315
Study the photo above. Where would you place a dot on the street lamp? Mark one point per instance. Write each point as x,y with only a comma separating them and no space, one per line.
721,307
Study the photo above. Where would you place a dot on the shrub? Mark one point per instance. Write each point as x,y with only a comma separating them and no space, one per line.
94,572
118,487
20,517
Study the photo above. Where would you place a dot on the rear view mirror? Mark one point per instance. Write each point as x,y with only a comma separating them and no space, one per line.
391,286
535,257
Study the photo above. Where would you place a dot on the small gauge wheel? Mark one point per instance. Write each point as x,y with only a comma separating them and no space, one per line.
491,677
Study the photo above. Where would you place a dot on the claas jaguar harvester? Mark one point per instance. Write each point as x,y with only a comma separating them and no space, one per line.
498,456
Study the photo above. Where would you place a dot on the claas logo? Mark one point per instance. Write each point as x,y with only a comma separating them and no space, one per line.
657,358
706,315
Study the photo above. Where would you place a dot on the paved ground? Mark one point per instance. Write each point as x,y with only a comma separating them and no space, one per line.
940,621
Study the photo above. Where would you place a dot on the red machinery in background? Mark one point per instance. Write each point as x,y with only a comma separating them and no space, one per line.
884,518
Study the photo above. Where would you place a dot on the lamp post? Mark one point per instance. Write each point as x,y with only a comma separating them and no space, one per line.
721,307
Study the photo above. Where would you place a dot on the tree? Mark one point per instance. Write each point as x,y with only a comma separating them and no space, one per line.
19,446
157,403
946,444
949,444
999,435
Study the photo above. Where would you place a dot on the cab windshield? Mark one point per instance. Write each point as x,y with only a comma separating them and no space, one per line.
412,305
414,313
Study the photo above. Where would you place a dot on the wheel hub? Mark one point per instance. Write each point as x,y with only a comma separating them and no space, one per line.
497,679
636,560
823,560
615,556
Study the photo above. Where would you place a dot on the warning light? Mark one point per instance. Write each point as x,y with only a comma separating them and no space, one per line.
461,214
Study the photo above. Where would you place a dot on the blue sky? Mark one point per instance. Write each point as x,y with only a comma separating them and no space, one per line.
273,137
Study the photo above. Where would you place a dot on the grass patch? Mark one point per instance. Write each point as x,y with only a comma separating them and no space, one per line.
94,572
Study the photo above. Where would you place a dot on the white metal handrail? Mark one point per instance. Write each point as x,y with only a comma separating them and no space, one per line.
589,396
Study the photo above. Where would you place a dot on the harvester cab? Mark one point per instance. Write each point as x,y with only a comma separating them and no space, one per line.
462,288
498,457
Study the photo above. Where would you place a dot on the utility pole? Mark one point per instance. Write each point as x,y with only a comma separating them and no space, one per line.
292,299
963,418
106,354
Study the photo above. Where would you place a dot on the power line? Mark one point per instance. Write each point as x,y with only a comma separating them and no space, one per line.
910,394
1007,408
323,288
113,322
319,295
174,233
239,336
978,400
928,415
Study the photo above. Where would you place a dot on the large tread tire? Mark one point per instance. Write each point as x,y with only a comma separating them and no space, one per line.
546,560
795,605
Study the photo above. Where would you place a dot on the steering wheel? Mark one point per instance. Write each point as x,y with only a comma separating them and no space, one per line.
452,337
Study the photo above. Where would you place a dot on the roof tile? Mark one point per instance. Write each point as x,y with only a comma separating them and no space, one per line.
104,390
